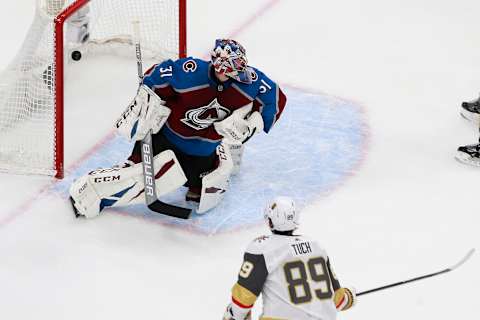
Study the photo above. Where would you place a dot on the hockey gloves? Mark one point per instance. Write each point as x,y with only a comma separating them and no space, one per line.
146,112
345,298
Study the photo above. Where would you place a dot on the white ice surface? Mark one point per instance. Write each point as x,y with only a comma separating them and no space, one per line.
409,209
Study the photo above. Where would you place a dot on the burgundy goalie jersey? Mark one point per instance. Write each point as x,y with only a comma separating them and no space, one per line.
197,100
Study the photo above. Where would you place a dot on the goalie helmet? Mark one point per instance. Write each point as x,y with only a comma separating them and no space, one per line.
229,58
281,215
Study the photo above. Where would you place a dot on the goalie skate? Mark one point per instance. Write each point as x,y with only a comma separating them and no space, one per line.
75,211
469,154
471,110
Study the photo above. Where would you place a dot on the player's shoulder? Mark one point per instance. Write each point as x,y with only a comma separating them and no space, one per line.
260,244
264,244
302,237
308,238
313,243
257,74
260,84
191,65
184,73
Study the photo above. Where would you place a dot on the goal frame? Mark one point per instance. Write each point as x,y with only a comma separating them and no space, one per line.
59,56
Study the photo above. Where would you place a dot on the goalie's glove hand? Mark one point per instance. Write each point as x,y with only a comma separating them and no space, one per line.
146,112
345,298
240,126
231,314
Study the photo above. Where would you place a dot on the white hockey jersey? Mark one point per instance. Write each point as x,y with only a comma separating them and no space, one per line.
294,276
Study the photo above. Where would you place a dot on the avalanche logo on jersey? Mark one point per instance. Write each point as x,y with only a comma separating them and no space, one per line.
203,117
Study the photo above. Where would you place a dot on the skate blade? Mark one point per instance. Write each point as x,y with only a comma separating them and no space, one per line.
466,159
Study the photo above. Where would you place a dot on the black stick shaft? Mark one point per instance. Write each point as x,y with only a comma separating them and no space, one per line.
402,282
458,264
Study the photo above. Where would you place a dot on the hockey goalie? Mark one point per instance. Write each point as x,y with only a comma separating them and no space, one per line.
201,114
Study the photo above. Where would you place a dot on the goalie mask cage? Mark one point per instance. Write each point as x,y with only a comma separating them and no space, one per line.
32,86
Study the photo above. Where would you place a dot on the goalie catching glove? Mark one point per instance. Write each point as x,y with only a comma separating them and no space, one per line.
241,125
146,112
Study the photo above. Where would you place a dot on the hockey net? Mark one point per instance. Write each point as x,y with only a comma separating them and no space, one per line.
32,86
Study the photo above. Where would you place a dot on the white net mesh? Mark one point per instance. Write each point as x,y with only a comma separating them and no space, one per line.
27,86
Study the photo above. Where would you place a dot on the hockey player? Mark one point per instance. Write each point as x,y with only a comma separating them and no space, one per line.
196,110
470,154
292,272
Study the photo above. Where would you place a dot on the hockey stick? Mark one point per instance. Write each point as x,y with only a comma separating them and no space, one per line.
458,264
147,153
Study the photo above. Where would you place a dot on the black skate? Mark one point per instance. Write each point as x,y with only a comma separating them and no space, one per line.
469,154
471,110
75,210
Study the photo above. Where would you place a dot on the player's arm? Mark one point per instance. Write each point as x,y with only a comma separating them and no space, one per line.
245,292
270,101
159,79
148,110
344,298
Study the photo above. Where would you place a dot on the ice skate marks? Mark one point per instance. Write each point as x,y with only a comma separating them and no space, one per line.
318,142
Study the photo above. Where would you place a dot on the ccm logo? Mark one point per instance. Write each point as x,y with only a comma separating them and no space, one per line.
125,115
106,179
83,188
100,171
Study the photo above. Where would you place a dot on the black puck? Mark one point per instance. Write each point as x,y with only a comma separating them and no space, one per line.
76,55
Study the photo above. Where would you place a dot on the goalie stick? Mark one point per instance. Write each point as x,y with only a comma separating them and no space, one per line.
458,264
153,203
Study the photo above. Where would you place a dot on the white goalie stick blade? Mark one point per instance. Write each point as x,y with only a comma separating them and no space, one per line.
455,266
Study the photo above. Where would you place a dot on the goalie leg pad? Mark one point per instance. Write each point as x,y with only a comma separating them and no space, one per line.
121,186
215,184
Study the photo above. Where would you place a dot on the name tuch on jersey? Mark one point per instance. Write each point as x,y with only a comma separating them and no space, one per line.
302,248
